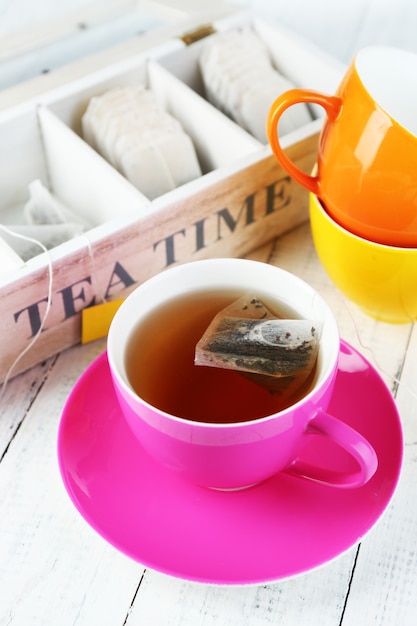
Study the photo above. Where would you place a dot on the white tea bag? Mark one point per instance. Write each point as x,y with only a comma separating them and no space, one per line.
241,81
44,208
50,235
145,143
246,337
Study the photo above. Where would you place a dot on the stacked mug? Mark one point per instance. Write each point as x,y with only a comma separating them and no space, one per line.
363,190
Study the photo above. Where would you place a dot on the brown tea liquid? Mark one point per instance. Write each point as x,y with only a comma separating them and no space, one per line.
160,365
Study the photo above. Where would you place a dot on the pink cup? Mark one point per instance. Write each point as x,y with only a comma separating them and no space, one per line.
237,455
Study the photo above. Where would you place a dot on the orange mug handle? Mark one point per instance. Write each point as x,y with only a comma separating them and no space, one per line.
332,106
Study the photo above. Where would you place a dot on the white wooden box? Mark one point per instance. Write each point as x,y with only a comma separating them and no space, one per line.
242,200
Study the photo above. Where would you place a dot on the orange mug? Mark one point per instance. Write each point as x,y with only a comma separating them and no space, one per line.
367,155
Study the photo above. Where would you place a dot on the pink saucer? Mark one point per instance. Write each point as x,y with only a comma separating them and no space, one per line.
282,527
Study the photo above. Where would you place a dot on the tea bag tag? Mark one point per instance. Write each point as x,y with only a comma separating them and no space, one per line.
96,320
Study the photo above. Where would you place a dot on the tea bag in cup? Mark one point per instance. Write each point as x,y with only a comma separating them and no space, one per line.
279,354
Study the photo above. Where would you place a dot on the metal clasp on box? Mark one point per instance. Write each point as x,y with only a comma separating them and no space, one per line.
199,33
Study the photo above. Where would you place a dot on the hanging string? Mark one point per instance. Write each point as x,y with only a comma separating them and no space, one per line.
93,275
47,309
49,296
397,382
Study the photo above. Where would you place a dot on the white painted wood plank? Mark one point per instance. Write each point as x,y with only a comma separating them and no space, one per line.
16,399
310,599
385,581
53,568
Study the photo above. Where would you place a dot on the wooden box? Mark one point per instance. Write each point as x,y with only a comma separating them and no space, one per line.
242,200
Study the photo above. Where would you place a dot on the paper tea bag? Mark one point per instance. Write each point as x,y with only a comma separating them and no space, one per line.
50,235
142,140
241,81
278,354
44,208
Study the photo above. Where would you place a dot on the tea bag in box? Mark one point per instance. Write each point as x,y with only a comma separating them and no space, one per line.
44,208
142,140
46,220
245,336
49,235
241,81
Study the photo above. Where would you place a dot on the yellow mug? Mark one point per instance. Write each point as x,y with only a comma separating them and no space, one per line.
380,279
367,154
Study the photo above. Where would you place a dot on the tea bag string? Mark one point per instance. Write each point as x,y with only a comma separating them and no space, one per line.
93,273
394,379
36,336
49,296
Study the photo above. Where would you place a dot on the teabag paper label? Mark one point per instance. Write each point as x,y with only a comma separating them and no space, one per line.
247,337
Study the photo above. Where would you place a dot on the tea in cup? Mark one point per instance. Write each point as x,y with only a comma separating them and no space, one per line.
214,426
367,155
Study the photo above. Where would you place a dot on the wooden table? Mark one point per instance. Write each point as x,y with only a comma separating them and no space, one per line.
55,570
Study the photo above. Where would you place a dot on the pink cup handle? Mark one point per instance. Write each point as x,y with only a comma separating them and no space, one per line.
332,106
351,441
